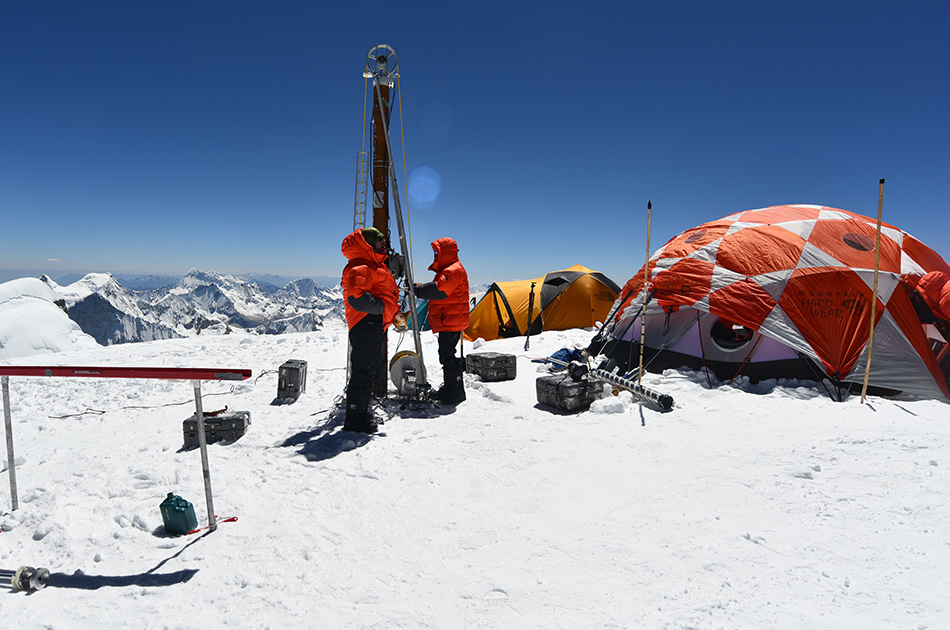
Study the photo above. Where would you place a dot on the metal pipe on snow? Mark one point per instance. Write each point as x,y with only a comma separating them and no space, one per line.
8,428
663,401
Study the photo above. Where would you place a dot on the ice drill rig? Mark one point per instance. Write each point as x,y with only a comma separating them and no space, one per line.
406,369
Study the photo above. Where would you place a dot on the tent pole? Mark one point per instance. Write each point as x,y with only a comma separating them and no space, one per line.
527,337
598,344
646,283
877,266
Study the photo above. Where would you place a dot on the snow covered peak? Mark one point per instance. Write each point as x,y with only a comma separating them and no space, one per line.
307,289
25,288
303,287
104,285
31,321
196,278
89,284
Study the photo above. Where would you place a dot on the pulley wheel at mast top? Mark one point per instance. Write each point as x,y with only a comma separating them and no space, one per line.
377,62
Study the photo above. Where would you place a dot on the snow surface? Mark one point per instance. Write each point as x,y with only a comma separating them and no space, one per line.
746,506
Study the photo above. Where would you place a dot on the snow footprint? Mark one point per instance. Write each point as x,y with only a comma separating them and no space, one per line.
43,530
492,608
808,474
495,597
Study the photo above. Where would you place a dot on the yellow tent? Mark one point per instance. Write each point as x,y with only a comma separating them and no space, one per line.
572,298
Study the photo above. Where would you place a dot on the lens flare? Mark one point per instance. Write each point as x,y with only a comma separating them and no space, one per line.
424,187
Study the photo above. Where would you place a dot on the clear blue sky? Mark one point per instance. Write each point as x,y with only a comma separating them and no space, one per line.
161,136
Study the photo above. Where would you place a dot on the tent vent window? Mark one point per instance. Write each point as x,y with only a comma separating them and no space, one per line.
859,242
695,236
728,336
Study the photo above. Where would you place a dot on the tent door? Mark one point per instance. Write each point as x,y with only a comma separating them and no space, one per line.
507,326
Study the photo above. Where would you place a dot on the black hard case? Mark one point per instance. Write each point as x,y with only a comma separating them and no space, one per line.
292,379
563,392
225,426
492,366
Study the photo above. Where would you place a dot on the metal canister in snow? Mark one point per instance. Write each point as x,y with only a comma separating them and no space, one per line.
178,515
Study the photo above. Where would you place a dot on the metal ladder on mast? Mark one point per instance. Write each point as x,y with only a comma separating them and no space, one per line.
362,177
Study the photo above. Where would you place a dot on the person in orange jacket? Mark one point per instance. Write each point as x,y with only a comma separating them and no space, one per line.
448,315
931,300
371,299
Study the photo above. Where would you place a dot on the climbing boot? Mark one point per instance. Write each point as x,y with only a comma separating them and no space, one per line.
358,416
452,391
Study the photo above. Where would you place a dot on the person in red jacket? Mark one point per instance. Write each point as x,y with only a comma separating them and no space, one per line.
448,315
934,291
934,287
371,300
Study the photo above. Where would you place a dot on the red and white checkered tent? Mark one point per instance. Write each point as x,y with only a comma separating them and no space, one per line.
793,284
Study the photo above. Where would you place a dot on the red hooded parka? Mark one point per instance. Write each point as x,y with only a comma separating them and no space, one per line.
449,314
366,272
935,289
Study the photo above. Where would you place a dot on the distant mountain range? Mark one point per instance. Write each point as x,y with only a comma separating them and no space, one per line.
198,303
139,282
123,309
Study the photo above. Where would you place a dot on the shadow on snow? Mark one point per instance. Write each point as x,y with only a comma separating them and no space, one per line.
325,442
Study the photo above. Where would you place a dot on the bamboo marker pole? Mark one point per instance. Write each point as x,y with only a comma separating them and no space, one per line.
646,283
877,267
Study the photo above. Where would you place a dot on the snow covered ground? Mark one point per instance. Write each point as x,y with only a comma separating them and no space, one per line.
766,506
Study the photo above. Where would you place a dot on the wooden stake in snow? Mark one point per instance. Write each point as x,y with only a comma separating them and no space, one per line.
877,266
646,284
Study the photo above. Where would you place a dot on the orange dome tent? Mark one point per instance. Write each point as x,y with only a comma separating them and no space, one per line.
785,291
576,297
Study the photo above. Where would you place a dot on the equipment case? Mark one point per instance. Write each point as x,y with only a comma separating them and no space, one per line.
563,392
292,379
492,366
226,426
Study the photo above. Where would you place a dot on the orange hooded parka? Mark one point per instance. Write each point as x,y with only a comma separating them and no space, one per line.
451,313
366,272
